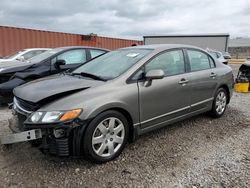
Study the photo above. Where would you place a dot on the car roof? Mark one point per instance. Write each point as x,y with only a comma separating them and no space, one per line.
29,49
77,47
162,46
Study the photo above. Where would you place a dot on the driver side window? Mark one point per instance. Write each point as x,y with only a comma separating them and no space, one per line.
171,62
71,57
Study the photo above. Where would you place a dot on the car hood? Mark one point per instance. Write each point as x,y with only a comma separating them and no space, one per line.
4,60
13,66
52,87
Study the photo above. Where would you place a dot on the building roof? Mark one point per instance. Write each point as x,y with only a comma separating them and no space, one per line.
239,42
190,35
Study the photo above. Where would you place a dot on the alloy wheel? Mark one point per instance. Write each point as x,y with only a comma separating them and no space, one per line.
108,137
221,102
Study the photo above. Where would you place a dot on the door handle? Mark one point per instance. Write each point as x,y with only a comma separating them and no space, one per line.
213,75
183,81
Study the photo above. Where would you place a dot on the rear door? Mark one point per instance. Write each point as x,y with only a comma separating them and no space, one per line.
203,79
165,98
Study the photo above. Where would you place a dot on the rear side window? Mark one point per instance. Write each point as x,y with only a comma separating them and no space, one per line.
171,62
198,60
95,53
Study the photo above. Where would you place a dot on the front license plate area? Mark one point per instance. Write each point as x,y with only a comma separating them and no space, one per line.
21,137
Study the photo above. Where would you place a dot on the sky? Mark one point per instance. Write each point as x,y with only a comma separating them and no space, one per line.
130,19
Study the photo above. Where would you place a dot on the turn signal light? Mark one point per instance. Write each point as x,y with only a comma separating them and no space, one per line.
70,114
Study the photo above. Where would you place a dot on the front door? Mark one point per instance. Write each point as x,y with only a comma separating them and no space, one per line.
73,58
165,98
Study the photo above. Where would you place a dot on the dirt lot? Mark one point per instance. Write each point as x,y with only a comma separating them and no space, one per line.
199,152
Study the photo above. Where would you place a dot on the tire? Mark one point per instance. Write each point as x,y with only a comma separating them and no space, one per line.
219,103
105,137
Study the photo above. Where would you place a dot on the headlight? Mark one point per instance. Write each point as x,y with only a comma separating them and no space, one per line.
1,69
54,116
36,116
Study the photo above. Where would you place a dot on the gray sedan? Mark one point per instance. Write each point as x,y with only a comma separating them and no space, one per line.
100,106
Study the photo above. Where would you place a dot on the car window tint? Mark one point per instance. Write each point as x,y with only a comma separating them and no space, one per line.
95,53
198,60
171,63
73,56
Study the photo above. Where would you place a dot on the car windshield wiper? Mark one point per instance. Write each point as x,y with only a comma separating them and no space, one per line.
84,74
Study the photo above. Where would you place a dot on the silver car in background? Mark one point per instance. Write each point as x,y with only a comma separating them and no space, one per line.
100,106
24,54
220,56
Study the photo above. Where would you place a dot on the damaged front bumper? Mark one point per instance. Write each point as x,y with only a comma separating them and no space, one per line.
21,137
62,139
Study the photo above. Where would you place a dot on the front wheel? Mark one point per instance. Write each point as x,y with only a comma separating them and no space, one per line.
219,103
105,137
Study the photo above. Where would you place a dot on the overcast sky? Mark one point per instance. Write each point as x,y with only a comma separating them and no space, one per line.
129,19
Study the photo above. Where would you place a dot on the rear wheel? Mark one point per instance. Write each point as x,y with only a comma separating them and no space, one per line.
219,103
105,137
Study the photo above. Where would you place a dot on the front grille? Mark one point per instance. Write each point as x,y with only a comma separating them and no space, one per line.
25,106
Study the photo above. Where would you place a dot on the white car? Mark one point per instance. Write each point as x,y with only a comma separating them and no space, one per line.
23,55
218,55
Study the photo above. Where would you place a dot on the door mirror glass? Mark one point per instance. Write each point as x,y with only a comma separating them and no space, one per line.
59,63
155,74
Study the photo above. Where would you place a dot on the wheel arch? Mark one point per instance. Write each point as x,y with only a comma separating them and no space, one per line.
127,115
81,130
129,119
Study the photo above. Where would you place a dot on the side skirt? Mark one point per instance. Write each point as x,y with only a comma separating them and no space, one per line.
140,131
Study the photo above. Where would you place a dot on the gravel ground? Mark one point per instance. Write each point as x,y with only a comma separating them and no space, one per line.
198,152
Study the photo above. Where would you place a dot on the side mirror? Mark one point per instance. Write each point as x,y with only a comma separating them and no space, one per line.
152,75
59,63
21,58
155,74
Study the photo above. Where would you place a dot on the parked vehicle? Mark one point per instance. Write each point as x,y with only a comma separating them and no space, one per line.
243,73
24,55
226,55
100,106
13,74
219,56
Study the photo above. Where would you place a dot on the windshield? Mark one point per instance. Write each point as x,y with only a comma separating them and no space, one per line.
45,55
13,55
112,64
